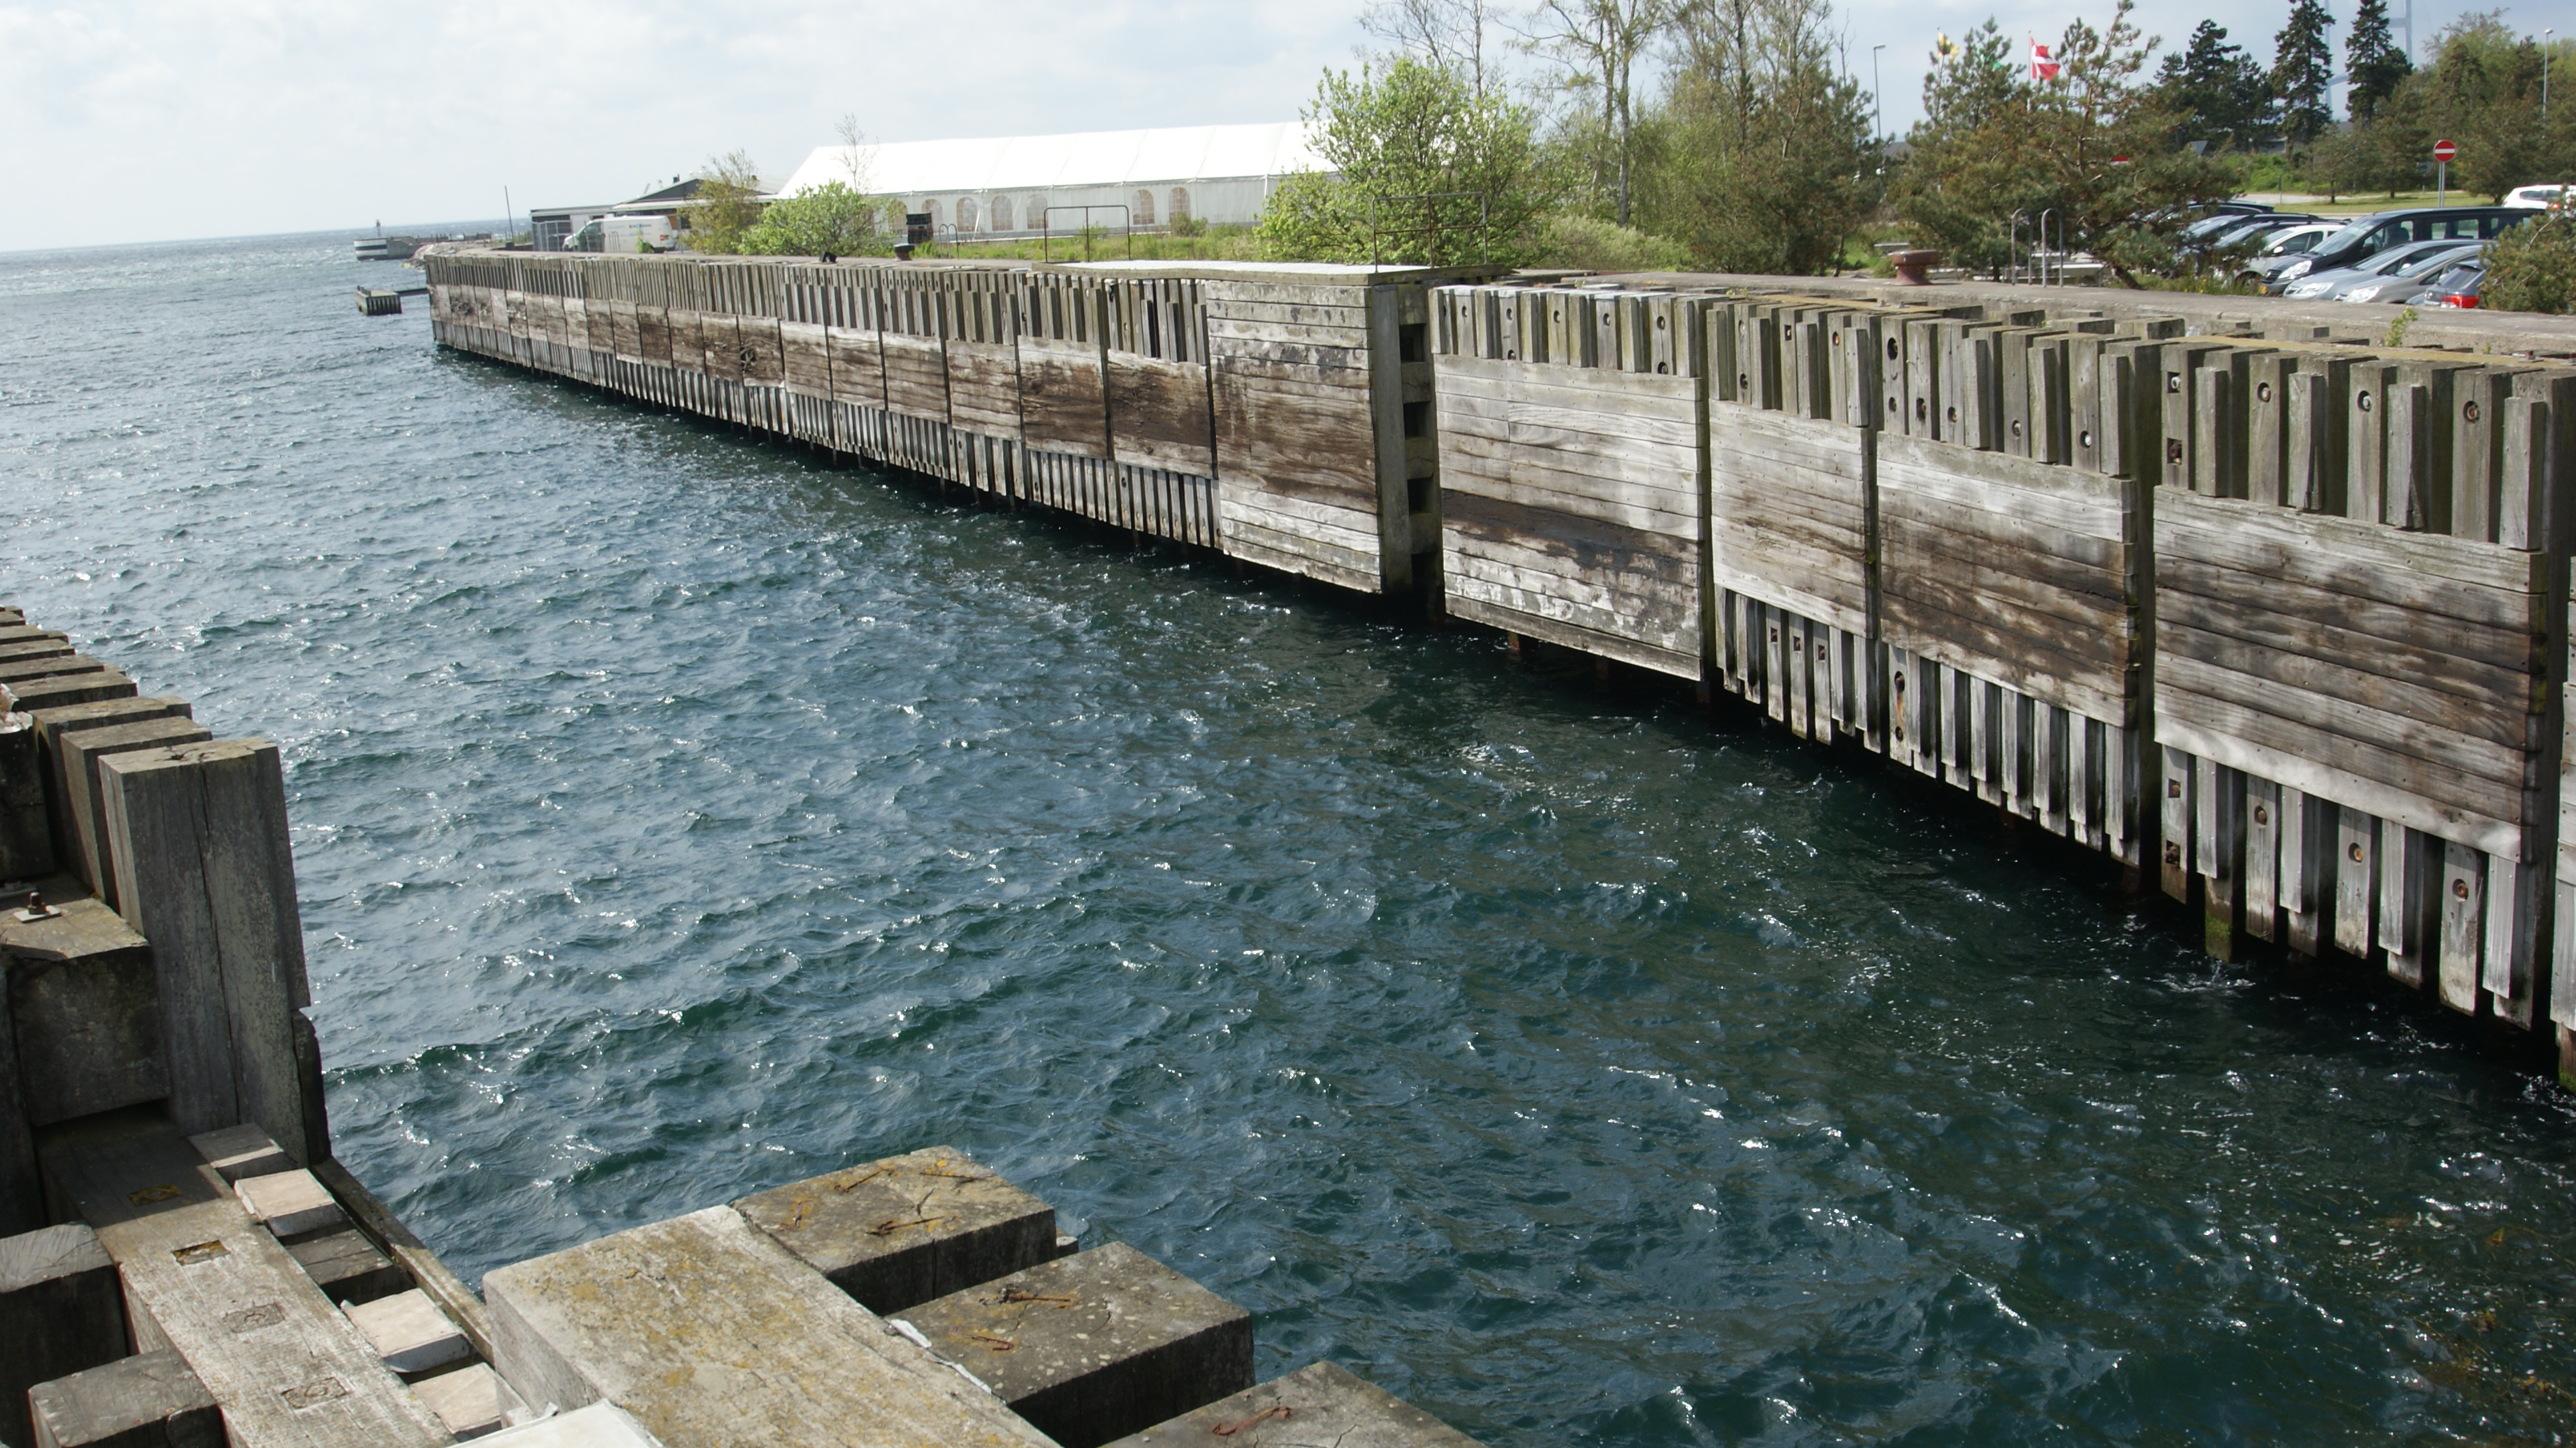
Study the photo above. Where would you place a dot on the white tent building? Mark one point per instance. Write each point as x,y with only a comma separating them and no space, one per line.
1007,185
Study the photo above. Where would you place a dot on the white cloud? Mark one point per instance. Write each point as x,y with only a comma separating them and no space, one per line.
163,118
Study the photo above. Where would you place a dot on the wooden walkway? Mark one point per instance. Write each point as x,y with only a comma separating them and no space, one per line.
2277,620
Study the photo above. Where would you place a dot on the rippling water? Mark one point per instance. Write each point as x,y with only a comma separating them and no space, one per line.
678,816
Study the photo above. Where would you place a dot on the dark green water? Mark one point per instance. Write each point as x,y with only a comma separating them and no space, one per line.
677,817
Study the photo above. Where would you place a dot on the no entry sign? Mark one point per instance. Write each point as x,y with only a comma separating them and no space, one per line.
2444,150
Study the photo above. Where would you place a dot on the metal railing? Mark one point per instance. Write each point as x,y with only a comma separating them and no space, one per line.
1046,222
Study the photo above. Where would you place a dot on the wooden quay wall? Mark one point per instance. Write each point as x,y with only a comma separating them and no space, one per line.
183,1261
2277,619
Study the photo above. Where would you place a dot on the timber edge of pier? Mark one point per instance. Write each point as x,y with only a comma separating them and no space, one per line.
2267,610
182,1261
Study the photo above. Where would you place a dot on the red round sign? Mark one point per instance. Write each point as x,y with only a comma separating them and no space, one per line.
2444,150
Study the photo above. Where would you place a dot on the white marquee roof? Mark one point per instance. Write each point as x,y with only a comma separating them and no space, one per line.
1089,158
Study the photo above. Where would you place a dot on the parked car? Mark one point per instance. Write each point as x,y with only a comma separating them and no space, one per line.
2221,215
2369,235
2323,285
2282,248
2252,230
2409,280
2538,198
2456,286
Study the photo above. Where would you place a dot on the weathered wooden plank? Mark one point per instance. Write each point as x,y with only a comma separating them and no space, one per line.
1161,414
984,388
704,1329
204,871
2398,788
916,375
288,1369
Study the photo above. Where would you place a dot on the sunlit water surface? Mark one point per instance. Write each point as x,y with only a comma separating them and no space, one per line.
679,815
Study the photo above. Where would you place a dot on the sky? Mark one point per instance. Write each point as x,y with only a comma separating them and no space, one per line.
130,122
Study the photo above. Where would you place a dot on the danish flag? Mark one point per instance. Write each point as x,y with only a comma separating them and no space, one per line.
2041,67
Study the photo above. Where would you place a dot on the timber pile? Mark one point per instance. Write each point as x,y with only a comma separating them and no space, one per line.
2280,621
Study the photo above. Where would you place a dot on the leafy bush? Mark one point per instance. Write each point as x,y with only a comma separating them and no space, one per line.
1412,130
1586,243
2532,268
828,219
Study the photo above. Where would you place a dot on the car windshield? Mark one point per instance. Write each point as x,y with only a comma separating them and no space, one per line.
2400,260
2303,239
2459,275
2425,265
2346,237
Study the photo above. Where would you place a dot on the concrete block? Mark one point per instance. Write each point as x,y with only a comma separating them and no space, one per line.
472,1401
198,837
702,1328
1096,1345
289,1203
241,1151
62,1311
1316,1404
44,648
601,1425
27,695
76,755
150,1401
347,1267
904,1230
26,831
409,1332
47,666
84,1007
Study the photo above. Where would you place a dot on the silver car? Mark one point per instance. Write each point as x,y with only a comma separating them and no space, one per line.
2407,281
2318,286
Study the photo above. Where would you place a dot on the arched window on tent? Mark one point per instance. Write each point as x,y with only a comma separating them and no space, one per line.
1034,212
965,213
1002,214
1180,204
932,206
1144,209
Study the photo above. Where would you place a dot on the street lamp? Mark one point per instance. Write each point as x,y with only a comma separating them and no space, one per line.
1878,102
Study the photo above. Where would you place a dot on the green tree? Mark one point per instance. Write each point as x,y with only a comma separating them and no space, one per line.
1392,138
2532,268
2302,69
726,205
2482,92
1761,157
830,219
2227,97
2373,65
1600,42
2097,146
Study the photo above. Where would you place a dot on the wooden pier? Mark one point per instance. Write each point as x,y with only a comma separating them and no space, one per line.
2275,618
182,1261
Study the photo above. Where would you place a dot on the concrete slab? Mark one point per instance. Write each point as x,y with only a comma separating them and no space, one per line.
347,1267
409,1332
711,1334
290,1203
62,1311
601,1425
236,1152
1317,1404
150,1401
472,1401
84,1008
1096,1345
904,1230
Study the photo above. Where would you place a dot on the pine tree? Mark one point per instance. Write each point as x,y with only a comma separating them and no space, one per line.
2226,93
2372,63
2302,68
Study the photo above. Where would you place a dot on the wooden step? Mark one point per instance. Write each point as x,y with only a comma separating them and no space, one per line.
908,1228
710,1334
1318,1403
